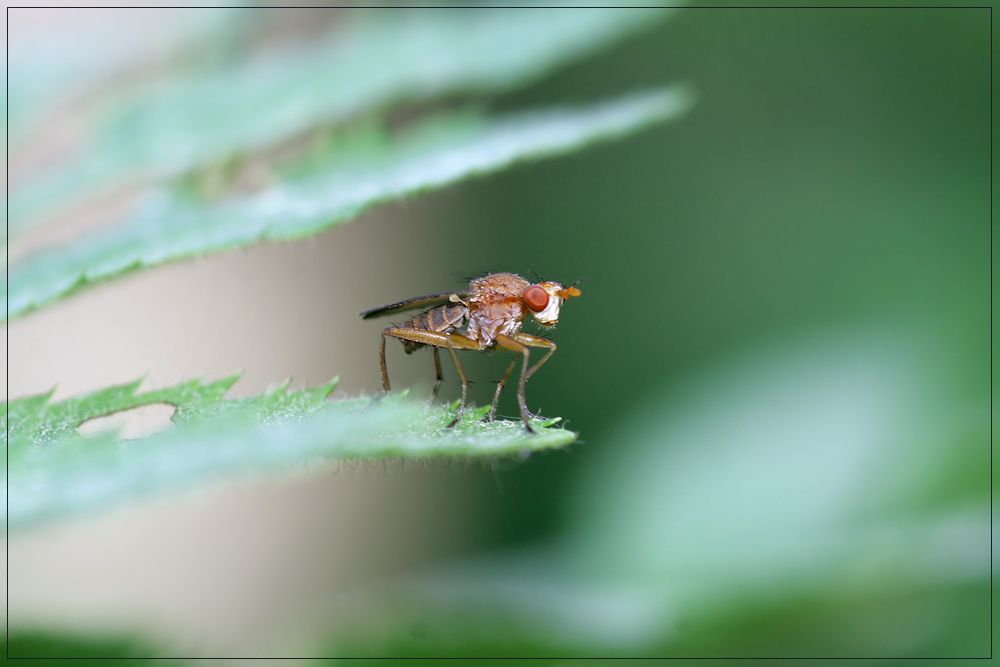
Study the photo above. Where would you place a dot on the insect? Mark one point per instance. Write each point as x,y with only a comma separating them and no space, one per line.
489,314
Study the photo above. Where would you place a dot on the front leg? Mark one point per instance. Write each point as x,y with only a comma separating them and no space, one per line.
522,349
525,340
537,341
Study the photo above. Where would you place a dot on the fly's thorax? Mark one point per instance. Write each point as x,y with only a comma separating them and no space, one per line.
500,302
486,323
496,307
498,285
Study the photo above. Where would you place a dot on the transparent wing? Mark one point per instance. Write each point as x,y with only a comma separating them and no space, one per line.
412,304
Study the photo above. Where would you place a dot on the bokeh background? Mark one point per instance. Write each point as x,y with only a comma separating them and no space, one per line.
779,370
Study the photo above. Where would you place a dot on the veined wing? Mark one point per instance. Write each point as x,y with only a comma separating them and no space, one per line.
414,303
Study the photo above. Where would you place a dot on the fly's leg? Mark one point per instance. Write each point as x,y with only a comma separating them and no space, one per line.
437,375
385,373
465,388
521,349
537,341
452,341
520,344
531,341
496,397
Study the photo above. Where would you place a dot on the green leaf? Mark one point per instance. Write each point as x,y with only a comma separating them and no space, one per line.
775,497
76,60
54,472
376,61
53,647
436,154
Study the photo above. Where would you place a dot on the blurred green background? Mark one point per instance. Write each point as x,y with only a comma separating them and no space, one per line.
783,334
778,366
834,175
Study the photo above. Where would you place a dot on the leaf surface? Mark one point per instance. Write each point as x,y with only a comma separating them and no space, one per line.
54,472
337,189
369,63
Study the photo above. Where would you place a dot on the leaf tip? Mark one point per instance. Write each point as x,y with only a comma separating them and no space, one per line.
330,386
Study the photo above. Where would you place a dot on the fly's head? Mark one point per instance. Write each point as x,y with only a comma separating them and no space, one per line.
545,299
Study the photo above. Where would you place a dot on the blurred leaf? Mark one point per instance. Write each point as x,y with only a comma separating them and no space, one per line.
439,153
934,621
538,613
58,66
772,508
799,470
522,604
52,648
805,465
53,471
378,60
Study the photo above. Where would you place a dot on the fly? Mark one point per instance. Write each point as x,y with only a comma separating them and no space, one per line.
489,314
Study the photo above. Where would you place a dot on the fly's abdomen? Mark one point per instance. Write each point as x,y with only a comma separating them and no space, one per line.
443,319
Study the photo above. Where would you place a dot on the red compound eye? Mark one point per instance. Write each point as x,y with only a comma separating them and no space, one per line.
536,298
